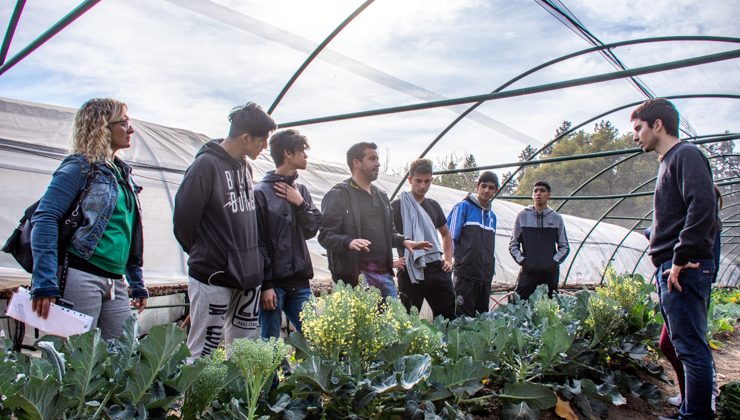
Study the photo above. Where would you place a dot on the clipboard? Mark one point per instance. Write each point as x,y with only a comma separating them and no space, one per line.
61,321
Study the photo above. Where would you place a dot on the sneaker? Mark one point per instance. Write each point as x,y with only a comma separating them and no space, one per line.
675,400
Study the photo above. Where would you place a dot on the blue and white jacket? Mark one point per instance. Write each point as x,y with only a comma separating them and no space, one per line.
473,231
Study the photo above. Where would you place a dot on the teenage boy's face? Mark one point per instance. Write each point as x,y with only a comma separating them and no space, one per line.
297,159
540,195
254,145
420,184
486,191
644,136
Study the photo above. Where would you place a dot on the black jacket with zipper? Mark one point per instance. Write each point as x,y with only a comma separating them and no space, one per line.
284,229
340,224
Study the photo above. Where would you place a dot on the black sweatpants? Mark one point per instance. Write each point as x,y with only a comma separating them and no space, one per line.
471,296
526,283
436,288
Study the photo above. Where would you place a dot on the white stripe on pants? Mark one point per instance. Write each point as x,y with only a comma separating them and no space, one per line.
217,312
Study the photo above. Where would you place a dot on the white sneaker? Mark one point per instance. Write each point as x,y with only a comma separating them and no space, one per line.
675,400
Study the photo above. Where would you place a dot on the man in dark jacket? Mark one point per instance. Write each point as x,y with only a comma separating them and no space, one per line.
472,223
215,222
683,231
539,244
286,217
356,225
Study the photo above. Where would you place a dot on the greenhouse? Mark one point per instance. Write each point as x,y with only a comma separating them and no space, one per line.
533,91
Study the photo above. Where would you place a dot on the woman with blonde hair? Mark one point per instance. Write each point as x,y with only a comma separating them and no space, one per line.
109,242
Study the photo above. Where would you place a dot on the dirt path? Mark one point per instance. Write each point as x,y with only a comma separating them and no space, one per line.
727,361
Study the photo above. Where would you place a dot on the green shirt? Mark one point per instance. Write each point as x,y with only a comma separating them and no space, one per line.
112,251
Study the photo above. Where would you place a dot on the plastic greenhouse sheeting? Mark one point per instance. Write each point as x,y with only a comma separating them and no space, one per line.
34,138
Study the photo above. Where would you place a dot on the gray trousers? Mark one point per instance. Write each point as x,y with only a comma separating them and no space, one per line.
220,312
92,295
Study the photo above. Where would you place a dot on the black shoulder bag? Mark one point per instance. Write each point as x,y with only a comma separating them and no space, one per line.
19,243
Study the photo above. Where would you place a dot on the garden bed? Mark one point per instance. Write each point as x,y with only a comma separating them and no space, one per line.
583,355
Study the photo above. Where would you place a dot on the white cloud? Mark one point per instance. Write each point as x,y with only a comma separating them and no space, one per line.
176,67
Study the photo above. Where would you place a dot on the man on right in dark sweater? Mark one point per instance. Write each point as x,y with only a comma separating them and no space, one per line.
681,246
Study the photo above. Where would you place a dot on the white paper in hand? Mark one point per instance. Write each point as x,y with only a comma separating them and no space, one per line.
61,321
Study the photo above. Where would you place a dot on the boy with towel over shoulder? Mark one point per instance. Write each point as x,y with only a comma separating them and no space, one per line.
424,273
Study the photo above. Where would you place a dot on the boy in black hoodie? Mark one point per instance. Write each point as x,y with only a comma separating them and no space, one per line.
286,217
215,222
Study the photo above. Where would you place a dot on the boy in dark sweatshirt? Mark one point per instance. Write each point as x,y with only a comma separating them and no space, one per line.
215,222
684,224
286,217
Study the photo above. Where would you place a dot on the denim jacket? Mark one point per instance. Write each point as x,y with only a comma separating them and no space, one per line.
98,205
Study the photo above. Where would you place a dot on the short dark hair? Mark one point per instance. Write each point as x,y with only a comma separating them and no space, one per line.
421,166
290,141
251,119
488,176
542,184
357,151
658,109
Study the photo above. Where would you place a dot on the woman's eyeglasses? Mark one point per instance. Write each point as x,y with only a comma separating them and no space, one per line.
126,124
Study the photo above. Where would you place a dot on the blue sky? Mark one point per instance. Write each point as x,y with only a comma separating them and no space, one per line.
185,63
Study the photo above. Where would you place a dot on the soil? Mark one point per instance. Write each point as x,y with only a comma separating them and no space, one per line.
726,360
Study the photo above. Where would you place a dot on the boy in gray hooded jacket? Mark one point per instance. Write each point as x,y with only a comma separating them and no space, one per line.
539,244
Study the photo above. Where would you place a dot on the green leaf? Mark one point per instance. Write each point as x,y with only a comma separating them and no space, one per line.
38,399
591,407
316,372
413,369
40,368
86,354
518,341
54,357
160,348
291,409
187,375
298,341
580,307
606,392
502,334
728,404
648,392
8,374
519,411
122,351
391,354
473,339
462,377
535,395
128,411
409,371
368,391
555,340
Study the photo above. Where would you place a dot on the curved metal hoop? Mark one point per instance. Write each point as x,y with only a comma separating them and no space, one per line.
316,52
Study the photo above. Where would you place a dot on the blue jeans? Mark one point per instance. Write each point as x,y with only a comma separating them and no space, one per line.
383,282
685,314
289,301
